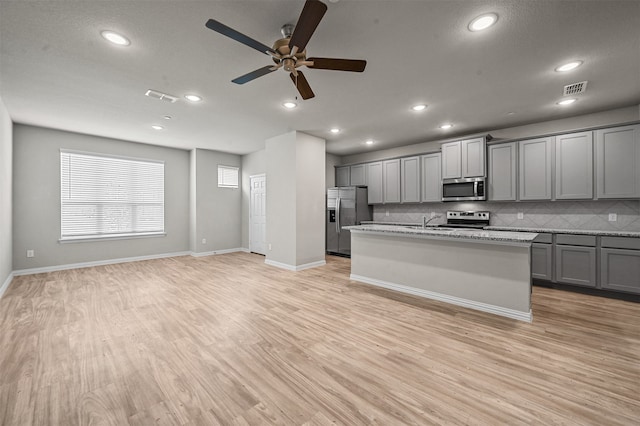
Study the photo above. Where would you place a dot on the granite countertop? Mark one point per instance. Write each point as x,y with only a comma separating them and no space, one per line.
634,234
468,234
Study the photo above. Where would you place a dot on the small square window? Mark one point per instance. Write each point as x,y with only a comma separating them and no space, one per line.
227,177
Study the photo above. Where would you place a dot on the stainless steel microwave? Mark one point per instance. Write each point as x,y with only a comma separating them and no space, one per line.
465,189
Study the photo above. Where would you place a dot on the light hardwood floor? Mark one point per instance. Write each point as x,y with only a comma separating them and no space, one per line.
228,340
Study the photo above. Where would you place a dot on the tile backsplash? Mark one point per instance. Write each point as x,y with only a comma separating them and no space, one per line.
591,215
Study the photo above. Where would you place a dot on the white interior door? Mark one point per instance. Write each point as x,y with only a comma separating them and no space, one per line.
258,214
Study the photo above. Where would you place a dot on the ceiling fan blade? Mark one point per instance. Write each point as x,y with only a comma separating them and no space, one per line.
254,74
221,28
354,65
302,85
310,17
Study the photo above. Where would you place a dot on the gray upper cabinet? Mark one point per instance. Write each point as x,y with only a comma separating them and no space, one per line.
410,179
503,172
473,157
574,166
358,175
431,180
374,182
534,172
618,162
343,176
465,158
451,160
391,181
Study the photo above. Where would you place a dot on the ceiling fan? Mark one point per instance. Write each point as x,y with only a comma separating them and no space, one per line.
289,52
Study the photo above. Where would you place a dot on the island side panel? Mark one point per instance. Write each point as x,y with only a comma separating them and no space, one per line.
493,274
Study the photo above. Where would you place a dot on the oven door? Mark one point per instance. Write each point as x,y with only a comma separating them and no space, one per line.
466,189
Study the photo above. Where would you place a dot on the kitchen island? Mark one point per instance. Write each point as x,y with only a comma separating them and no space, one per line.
485,270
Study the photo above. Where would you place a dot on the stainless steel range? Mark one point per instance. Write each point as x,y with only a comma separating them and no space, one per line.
473,220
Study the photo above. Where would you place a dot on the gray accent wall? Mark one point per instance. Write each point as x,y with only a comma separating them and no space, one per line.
6,141
36,199
218,210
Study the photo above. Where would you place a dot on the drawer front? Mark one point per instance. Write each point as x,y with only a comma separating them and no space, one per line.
576,240
621,242
620,270
543,238
576,265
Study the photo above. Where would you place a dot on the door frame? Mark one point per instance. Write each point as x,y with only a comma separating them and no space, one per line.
251,211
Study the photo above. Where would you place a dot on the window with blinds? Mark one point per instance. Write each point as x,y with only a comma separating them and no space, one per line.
227,177
104,196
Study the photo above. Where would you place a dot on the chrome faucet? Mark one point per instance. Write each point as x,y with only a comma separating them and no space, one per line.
425,221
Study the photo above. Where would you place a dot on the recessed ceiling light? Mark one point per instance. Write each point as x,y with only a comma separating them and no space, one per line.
511,113
193,98
369,142
156,127
167,117
483,22
289,104
335,130
419,107
115,38
569,66
567,101
446,126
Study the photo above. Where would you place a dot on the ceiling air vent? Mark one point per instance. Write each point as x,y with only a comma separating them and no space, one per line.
575,88
160,96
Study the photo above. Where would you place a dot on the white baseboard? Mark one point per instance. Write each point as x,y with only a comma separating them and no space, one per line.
97,263
225,251
6,283
295,268
479,306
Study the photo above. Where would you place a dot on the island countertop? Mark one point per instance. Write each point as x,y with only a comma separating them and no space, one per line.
477,235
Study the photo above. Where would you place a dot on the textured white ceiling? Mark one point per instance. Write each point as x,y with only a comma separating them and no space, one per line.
56,70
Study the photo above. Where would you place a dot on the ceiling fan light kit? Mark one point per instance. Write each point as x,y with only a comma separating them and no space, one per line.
289,52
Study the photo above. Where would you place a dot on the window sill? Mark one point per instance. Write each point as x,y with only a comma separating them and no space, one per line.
94,238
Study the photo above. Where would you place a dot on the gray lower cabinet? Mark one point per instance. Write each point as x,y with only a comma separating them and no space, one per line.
542,261
576,265
620,264
374,182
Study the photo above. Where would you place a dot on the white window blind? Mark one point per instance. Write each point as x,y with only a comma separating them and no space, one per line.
227,177
104,196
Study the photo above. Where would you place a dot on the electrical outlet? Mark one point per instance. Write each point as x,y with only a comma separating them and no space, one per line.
269,246
433,214
31,253
204,241
613,217
520,215
387,213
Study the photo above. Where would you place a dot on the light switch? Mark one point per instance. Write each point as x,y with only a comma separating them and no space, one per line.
31,253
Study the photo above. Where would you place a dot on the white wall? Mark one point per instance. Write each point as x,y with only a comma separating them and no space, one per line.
605,118
218,210
252,164
6,202
36,199
310,199
281,198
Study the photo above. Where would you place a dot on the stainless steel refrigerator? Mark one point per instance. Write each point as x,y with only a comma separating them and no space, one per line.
346,205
